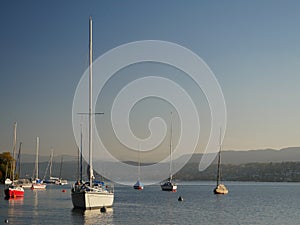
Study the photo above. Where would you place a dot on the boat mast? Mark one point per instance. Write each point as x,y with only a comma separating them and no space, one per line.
171,134
19,160
37,159
51,158
14,151
219,159
60,170
80,152
90,100
139,163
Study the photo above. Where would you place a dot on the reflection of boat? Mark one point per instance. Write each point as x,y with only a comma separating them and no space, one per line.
13,190
82,216
91,195
220,188
169,185
37,183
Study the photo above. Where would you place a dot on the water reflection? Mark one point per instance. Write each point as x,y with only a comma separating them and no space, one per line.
80,216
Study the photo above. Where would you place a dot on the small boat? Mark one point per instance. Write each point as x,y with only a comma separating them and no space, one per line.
139,185
91,195
14,190
60,181
169,185
8,181
50,180
37,183
24,183
220,188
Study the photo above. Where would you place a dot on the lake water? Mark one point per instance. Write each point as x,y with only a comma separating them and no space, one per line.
246,203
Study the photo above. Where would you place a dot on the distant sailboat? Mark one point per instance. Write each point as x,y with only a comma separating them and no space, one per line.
14,190
22,182
91,195
170,185
37,184
50,180
220,188
60,181
139,185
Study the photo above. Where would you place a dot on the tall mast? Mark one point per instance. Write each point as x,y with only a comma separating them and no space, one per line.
80,152
171,146
219,159
14,151
37,158
51,158
19,160
91,100
139,163
60,170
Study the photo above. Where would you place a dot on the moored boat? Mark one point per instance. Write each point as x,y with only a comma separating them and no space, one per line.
169,185
14,190
138,185
37,183
91,195
220,188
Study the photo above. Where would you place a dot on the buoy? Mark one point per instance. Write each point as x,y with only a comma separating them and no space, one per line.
63,190
103,209
6,221
180,199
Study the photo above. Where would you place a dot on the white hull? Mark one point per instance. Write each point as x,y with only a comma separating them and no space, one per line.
92,200
221,189
38,186
8,181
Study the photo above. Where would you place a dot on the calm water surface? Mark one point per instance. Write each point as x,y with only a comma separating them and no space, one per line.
246,203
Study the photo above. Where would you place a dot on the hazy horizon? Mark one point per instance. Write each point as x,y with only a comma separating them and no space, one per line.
251,47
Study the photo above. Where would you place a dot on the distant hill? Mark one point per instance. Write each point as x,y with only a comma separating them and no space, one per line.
239,161
28,158
291,154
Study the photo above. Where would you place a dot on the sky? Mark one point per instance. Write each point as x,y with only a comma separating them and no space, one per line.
252,47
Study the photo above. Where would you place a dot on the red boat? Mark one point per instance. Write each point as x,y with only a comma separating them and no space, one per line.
13,191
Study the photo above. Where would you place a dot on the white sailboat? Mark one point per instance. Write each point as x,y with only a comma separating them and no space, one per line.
91,195
220,188
61,181
139,185
37,183
169,185
50,180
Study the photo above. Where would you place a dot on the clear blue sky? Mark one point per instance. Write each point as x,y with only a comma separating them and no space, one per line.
251,46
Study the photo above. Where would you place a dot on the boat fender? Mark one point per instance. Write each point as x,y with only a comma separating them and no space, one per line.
103,209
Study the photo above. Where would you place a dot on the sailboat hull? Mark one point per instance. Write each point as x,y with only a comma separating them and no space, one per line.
92,200
168,186
12,192
221,189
